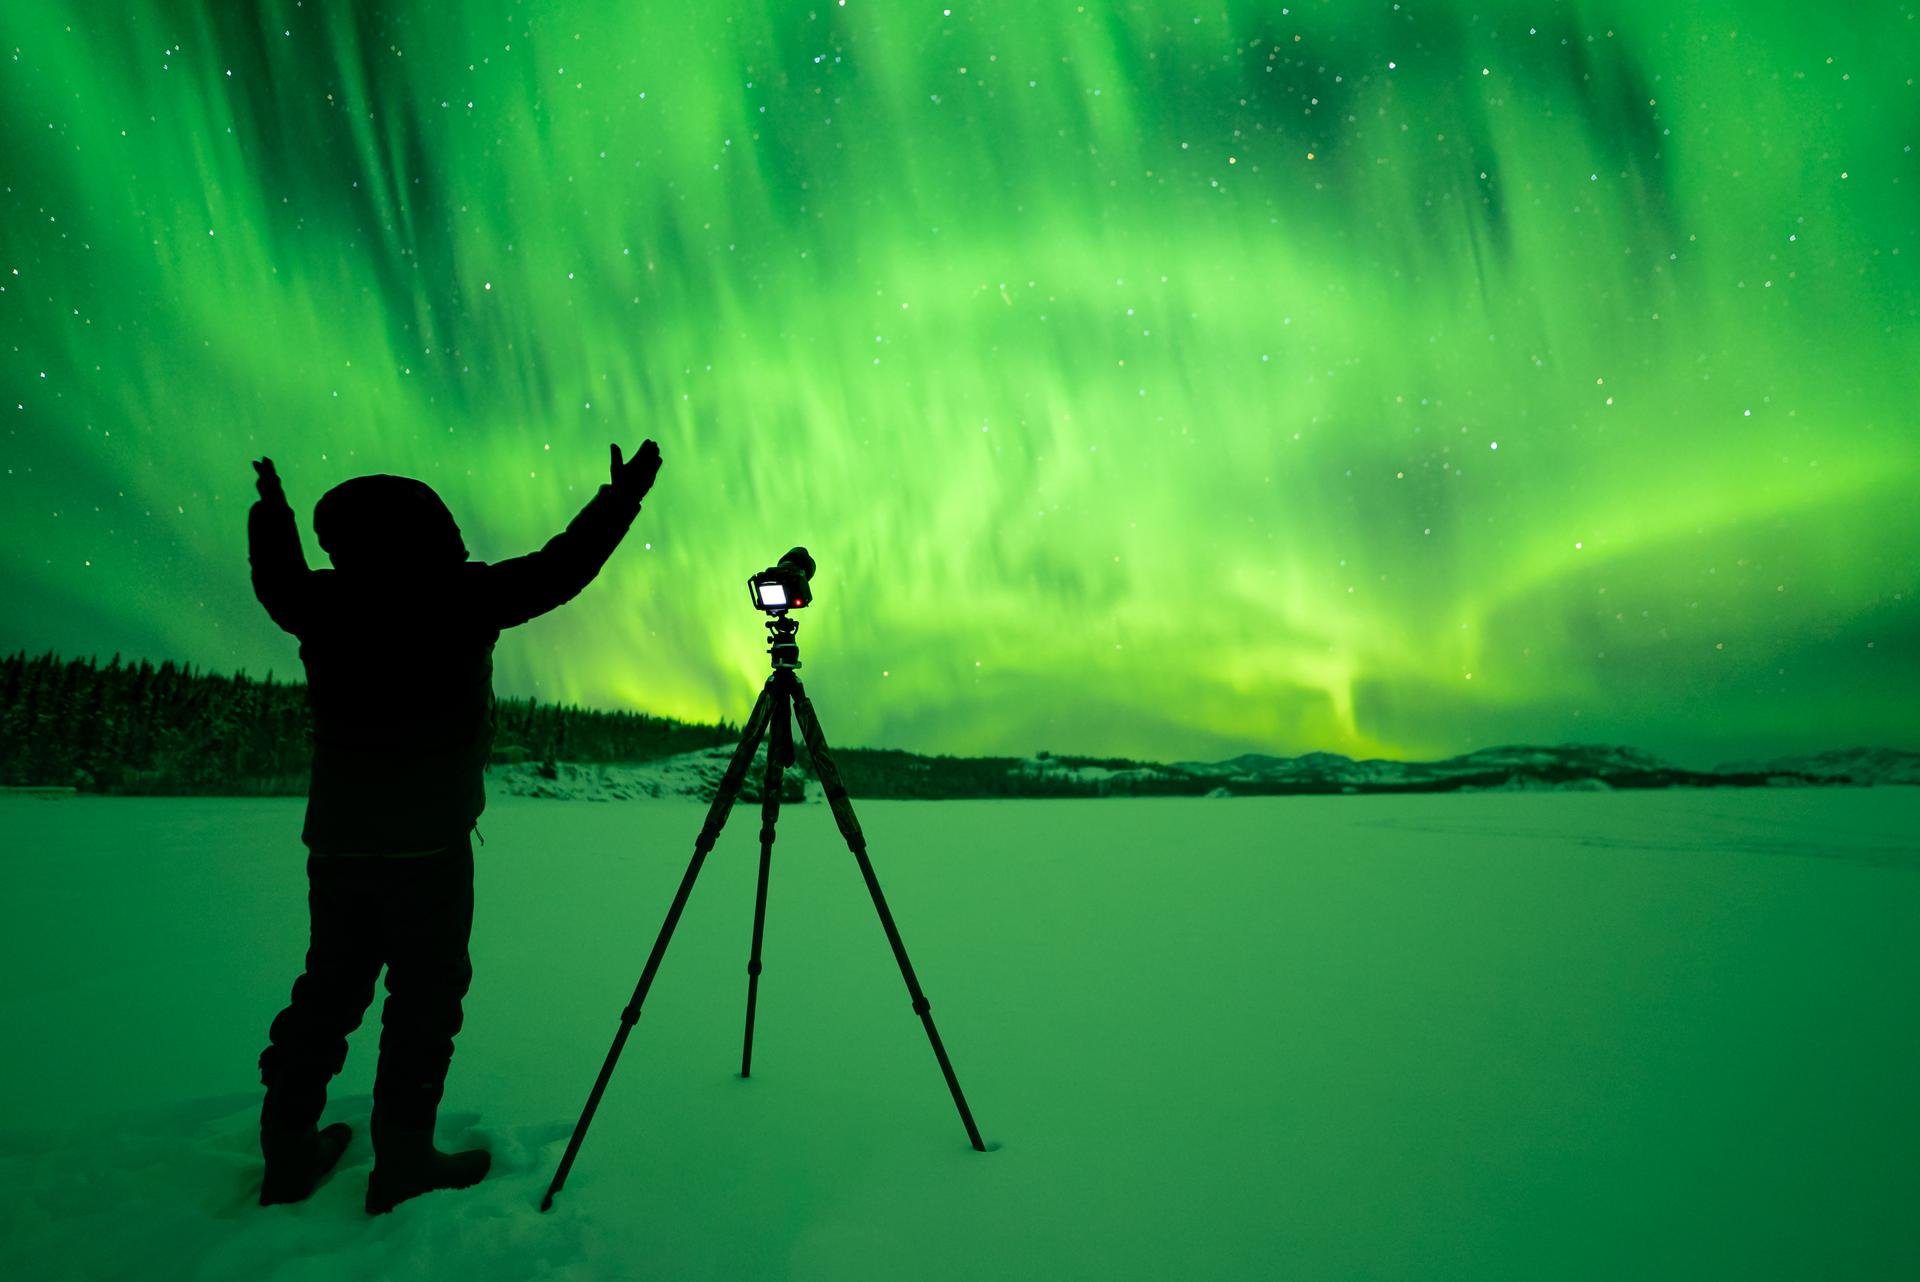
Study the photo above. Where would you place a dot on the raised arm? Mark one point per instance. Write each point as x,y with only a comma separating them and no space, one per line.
280,574
528,586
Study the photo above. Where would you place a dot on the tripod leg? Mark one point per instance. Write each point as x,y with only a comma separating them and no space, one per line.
857,842
779,756
723,800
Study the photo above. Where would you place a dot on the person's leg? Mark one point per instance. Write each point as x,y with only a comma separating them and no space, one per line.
308,1040
428,919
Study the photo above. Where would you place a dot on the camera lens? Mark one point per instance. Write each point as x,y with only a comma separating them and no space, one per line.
799,562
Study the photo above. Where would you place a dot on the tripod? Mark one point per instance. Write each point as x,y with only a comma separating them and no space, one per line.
781,695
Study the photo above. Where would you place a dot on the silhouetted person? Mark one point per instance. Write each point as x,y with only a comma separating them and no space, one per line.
398,644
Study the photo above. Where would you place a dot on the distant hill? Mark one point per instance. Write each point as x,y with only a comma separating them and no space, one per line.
870,773
1530,767
135,728
1843,765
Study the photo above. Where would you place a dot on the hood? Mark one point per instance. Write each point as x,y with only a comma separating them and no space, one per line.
386,522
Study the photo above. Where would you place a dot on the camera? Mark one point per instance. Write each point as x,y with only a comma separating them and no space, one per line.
783,587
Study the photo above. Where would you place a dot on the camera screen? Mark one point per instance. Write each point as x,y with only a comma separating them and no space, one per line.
772,594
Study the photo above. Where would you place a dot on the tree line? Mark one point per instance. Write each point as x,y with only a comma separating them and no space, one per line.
134,728
172,729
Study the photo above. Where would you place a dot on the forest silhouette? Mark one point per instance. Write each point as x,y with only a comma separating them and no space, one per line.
138,729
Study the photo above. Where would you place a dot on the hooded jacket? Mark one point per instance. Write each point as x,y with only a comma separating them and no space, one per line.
398,641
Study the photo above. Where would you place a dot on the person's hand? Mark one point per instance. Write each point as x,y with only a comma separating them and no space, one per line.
635,476
268,481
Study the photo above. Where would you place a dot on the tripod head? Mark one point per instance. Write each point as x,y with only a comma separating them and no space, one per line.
780,641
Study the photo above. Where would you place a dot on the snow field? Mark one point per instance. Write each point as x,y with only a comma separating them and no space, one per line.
1659,1035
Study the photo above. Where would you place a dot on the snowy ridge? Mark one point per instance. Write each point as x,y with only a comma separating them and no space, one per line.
891,774
1573,766
694,774
1842,765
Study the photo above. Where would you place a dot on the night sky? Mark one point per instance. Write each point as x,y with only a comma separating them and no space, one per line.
1168,380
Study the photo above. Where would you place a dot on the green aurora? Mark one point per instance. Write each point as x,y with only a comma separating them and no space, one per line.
1175,381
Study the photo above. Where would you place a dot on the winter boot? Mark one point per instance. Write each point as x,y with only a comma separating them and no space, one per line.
298,1152
406,1164
297,1160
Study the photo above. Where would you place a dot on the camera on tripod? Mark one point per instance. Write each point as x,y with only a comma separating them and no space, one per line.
783,587
782,702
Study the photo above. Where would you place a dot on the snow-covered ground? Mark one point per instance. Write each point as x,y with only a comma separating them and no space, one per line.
1552,1036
